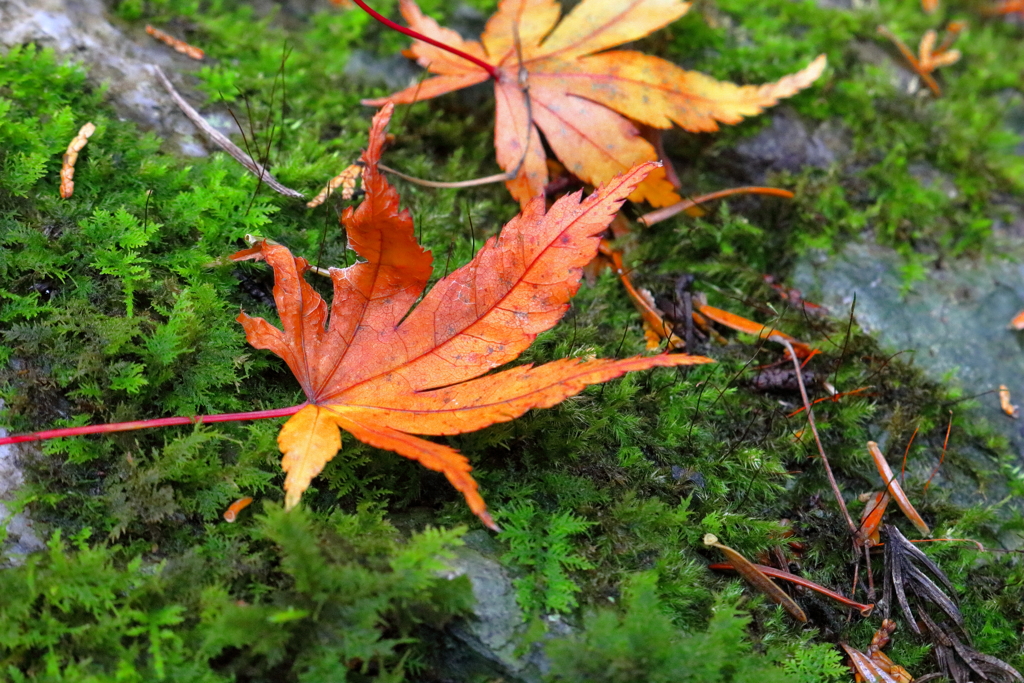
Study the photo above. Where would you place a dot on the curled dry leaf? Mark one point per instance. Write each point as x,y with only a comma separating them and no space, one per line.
550,80
231,514
795,298
67,169
383,373
874,665
895,490
656,328
871,519
1006,404
178,45
756,578
962,663
866,668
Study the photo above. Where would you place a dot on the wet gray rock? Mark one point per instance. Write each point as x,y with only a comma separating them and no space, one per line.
932,178
901,76
788,144
489,645
21,537
394,72
80,30
953,325
1013,100
847,5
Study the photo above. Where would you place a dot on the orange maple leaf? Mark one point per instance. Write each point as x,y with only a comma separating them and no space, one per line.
382,373
549,78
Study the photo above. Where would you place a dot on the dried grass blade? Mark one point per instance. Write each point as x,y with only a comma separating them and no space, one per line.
756,578
895,490
865,610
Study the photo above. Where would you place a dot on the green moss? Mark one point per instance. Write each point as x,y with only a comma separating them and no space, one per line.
338,603
115,307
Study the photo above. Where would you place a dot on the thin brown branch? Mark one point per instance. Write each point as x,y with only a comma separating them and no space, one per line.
659,215
223,142
814,430
475,182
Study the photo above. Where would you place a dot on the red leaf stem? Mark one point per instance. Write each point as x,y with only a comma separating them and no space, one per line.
659,215
865,610
419,36
146,424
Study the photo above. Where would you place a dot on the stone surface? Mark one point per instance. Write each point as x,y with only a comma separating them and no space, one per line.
81,31
21,537
789,145
486,644
953,325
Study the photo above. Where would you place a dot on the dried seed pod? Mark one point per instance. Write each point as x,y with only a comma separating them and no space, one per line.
179,45
67,171
346,180
231,514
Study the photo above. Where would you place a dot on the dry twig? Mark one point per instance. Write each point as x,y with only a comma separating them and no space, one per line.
221,141
178,45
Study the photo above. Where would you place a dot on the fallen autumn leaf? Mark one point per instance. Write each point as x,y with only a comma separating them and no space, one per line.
379,374
549,80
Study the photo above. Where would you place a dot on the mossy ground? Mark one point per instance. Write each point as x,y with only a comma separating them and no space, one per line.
115,308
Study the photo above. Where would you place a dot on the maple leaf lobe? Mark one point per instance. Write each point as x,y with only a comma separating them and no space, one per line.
383,373
585,103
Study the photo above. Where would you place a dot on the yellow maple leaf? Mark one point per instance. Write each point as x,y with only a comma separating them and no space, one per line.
550,80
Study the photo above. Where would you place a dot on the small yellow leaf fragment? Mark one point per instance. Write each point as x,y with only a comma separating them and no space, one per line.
67,171
309,439
231,514
1004,402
